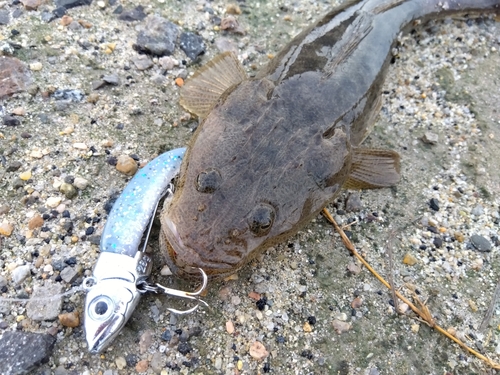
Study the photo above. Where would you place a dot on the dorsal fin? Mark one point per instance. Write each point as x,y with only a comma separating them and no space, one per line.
203,90
373,168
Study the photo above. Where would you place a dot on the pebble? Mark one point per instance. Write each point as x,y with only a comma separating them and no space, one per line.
66,20
480,243
68,4
121,363
69,274
19,111
477,210
218,363
9,120
80,146
68,190
258,351
13,166
53,202
233,9
353,202
230,327
25,176
167,62
192,45
69,95
354,268
430,138
31,4
19,274
158,37
145,341
111,79
70,319
4,17
40,307
142,62
6,229
158,362
126,165
341,327
409,259
80,183
356,303
14,76
135,14
434,204
307,327
23,352
142,366
36,66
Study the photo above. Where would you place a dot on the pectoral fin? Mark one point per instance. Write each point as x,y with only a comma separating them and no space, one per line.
372,168
203,90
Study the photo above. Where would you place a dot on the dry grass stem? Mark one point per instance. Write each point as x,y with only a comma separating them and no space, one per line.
422,311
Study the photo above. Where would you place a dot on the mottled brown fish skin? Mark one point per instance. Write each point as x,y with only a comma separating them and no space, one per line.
276,149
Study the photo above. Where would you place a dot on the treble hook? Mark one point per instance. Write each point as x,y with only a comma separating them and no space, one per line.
187,295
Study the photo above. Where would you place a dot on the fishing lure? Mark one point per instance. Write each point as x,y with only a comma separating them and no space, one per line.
119,276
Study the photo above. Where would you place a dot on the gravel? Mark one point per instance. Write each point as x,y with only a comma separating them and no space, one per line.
442,88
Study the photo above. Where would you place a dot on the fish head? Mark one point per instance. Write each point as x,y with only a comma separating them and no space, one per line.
252,177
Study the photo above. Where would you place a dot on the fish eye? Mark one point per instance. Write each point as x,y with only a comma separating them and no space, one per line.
261,219
208,181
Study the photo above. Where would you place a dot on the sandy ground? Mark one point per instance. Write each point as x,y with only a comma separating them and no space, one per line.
445,81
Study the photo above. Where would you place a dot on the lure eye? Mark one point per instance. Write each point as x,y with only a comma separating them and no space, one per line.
261,219
101,307
208,181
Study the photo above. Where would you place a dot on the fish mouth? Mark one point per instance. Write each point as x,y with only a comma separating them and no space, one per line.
184,261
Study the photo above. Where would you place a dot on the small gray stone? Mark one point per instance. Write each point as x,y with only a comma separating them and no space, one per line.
13,166
23,352
69,274
42,308
136,14
17,183
142,62
75,26
96,85
20,273
3,282
69,95
4,17
480,243
158,37
430,138
68,4
158,362
111,79
478,210
353,203
192,45
47,16
11,121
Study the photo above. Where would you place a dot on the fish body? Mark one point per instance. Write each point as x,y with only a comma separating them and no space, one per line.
274,150
122,264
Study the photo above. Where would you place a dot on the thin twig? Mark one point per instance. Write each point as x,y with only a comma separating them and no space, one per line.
423,312
487,317
390,274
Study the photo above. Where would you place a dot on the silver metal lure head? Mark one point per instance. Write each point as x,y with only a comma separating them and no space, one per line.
113,297
114,292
